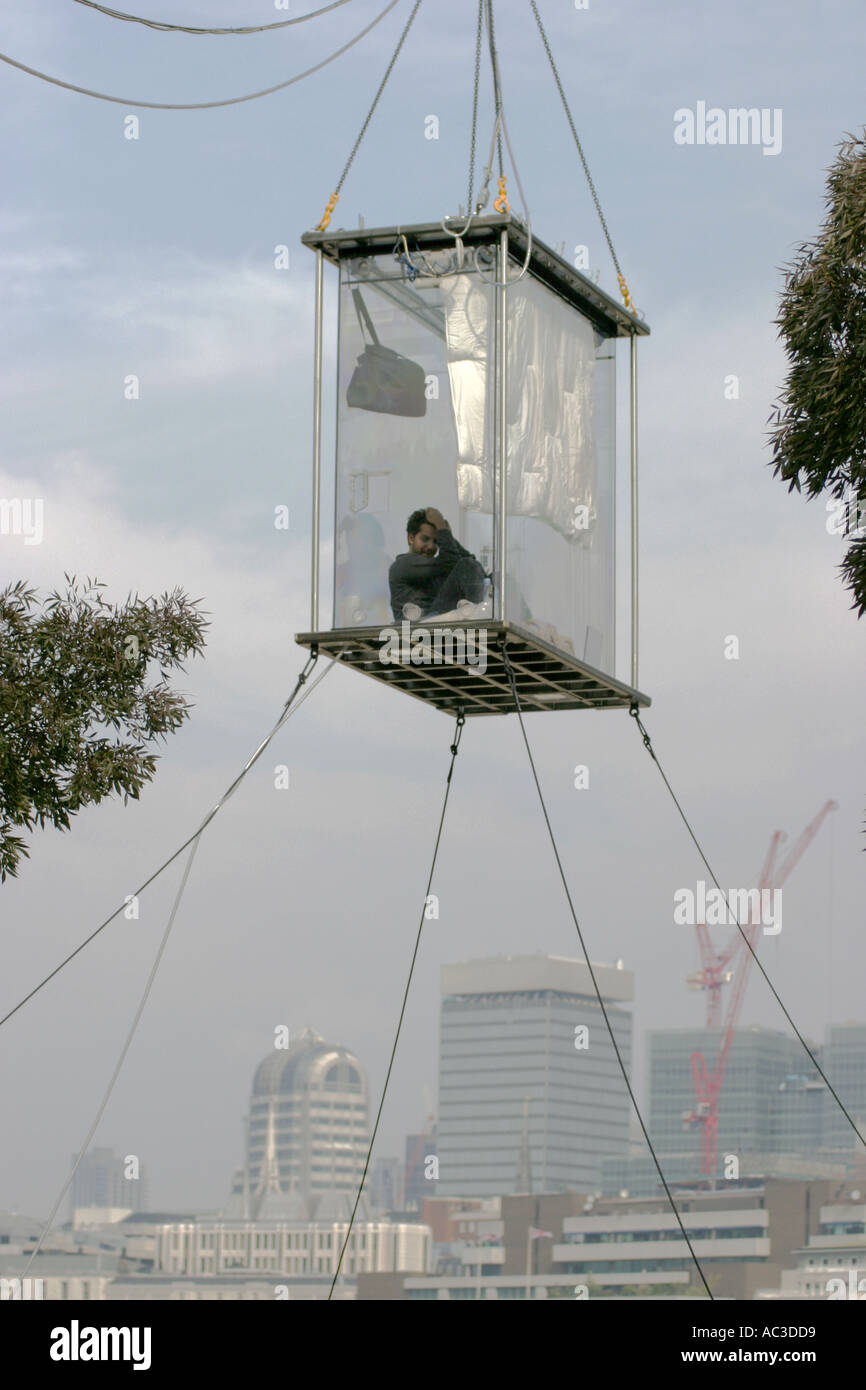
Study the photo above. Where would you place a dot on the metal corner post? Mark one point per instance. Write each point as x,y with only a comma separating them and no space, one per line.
317,440
634,512
501,405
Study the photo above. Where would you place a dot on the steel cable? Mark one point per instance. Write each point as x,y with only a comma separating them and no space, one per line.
598,994
193,29
288,709
199,105
647,743
455,748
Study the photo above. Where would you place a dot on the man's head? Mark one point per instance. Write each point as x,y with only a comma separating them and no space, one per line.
421,534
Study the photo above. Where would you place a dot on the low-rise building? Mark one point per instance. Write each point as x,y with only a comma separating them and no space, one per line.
148,1256
68,1276
832,1265
569,1245
290,1248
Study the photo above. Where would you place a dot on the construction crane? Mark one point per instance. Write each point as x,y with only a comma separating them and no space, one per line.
732,966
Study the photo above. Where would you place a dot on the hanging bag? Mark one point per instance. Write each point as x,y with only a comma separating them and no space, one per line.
384,381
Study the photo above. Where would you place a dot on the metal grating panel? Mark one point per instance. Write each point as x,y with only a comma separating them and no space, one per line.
546,678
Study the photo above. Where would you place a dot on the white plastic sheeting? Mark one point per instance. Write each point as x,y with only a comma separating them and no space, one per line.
551,439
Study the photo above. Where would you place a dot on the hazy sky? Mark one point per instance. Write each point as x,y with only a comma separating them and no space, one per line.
155,257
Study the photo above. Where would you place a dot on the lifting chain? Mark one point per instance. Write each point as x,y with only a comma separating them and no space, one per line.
326,215
623,289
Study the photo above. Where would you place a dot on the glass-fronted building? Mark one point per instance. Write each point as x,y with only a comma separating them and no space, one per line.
530,1094
845,1064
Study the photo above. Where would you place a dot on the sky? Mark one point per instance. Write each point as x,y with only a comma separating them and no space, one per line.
154,257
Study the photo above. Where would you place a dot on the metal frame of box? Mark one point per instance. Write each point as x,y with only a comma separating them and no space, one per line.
571,683
544,677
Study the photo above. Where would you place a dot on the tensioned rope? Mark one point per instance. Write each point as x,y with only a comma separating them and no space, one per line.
623,287
647,743
500,203
475,86
455,748
193,29
200,105
497,99
335,196
598,995
120,1061
288,709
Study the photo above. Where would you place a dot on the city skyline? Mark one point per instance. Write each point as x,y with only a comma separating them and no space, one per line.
272,1179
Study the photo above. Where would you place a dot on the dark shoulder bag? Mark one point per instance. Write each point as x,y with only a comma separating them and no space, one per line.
384,381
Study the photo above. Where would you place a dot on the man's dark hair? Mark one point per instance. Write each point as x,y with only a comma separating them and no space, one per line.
416,521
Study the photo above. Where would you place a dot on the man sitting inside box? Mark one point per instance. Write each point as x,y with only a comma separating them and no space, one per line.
437,575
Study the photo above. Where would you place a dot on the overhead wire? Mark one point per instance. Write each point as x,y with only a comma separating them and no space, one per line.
475,89
624,290
501,201
291,705
201,105
497,95
103,1105
500,126
194,29
288,710
510,673
647,743
455,748
335,196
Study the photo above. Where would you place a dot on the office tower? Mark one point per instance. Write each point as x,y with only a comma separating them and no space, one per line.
421,1167
529,1086
307,1130
844,1061
771,1099
105,1179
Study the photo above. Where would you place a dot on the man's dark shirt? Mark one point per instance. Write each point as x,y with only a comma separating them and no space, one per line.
418,578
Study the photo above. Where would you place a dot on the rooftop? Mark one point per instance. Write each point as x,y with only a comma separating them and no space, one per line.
537,973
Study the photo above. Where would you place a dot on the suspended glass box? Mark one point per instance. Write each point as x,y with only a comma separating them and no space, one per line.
476,378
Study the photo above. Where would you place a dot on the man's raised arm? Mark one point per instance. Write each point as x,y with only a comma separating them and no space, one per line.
444,536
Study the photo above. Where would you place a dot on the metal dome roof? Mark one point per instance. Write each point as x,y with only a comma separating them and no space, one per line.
307,1062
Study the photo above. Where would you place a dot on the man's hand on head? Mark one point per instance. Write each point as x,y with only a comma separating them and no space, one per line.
437,519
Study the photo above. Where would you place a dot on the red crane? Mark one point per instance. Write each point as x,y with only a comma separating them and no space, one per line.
732,965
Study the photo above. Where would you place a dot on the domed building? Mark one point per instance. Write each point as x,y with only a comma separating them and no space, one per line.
307,1131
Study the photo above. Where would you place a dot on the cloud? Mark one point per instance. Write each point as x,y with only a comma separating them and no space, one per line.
181,320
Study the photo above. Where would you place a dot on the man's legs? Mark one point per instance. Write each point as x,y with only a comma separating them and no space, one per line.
466,580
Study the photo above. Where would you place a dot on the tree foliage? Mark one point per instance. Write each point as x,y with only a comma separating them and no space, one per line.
78,718
819,426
